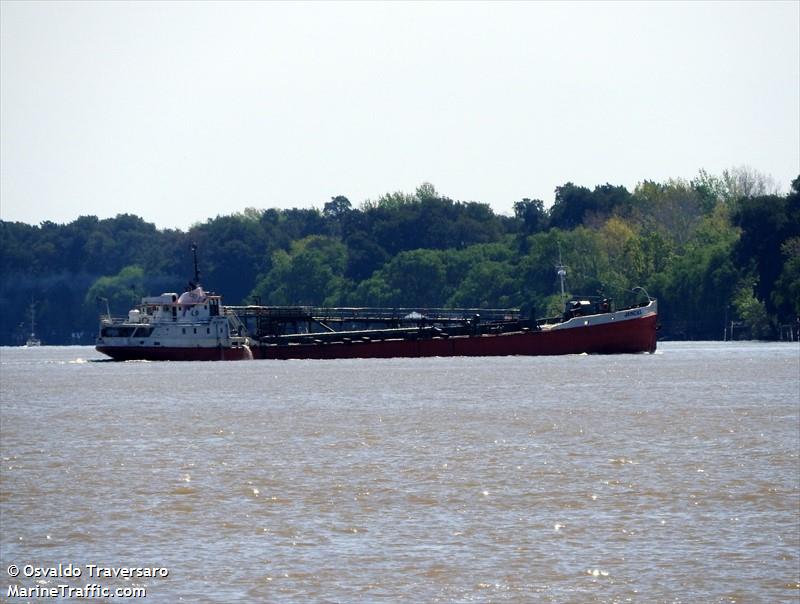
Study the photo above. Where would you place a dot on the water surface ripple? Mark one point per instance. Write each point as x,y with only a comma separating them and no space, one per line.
671,477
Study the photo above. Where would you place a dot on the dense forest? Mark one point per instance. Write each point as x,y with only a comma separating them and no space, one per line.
719,252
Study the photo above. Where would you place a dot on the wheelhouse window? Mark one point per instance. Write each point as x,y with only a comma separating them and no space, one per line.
114,331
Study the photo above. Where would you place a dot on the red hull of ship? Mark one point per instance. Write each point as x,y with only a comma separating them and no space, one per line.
140,353
631,336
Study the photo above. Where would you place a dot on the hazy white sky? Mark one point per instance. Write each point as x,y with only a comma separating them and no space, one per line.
182,111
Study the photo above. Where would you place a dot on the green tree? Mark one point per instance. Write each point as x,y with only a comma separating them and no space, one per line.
122,291
696,289
336,212
364,256
674,208
312,273
373,291
488,284
767,224
570,205
786,294
752,312
415,278
532,217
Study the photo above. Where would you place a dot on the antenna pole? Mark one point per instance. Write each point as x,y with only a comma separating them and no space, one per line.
196,271
562,272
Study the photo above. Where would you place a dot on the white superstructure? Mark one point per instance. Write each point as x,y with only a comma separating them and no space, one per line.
194,320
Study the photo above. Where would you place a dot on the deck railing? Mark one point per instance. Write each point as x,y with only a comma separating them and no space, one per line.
375,314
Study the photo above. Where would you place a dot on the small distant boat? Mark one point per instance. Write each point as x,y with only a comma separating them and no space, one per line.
32,340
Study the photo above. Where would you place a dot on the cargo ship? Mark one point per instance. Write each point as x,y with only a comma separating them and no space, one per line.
589,325
195,326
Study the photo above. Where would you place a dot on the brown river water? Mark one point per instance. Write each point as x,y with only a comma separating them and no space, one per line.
671,477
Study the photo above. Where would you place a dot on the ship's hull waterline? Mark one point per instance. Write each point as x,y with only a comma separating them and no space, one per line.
158,353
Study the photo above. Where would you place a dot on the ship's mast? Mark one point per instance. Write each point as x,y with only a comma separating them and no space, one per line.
33,318
196,271
561,270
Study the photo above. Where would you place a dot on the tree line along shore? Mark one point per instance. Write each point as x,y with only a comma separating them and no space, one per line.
720,252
